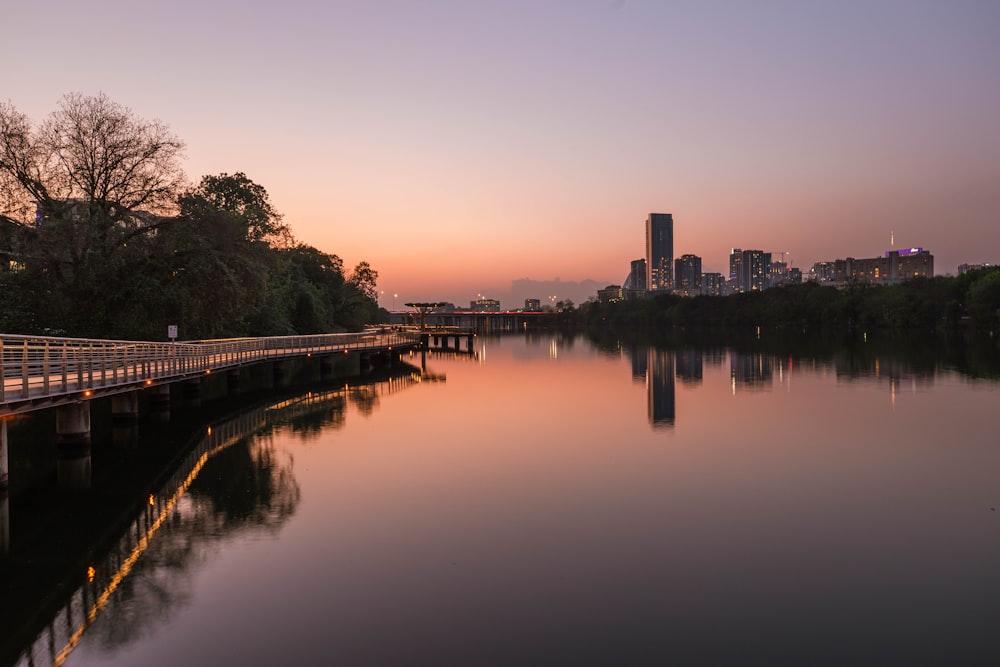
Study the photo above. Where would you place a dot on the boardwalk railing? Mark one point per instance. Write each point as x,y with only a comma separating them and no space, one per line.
35,367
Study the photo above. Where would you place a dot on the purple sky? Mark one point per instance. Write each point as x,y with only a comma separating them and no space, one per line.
459,145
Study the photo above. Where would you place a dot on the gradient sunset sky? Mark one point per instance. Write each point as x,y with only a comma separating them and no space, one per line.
457,145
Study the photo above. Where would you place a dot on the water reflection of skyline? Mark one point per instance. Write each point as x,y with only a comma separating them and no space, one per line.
659,369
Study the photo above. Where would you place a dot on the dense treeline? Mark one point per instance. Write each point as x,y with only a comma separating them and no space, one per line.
921,304
101,236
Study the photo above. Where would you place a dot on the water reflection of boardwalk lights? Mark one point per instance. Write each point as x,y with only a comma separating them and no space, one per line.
103,580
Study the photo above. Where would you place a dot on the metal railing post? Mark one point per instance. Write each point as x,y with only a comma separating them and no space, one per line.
45,369
24,371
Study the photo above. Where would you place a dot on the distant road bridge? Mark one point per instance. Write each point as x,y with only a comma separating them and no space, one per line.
477,321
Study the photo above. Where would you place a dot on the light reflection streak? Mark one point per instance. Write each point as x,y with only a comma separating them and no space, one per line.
140,547
136,541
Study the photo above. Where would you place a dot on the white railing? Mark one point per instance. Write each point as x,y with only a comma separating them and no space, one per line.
35,367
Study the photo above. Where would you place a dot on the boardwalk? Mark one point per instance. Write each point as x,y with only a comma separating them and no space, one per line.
40,372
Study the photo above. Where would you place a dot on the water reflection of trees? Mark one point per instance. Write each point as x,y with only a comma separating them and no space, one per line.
246,488
235,481
853,355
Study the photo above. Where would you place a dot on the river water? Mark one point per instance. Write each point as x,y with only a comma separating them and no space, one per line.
546,501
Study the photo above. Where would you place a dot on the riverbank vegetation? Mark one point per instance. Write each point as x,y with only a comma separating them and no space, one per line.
971,300
101,235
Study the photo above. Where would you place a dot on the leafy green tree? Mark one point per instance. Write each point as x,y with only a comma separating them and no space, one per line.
245,201
984,300
365,279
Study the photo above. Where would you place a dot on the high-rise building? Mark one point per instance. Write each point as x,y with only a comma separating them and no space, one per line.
659,251
712,284
748,270
687,275
756,270
736,270
637,276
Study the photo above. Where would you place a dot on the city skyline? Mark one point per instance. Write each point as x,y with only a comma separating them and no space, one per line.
460,148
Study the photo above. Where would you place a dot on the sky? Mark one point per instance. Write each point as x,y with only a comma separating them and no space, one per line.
459,145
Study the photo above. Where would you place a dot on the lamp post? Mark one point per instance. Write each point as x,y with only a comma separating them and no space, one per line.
394,302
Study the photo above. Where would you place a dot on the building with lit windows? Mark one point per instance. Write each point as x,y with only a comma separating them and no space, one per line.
749,270
713,284
485,306
636,281
894,266
659,251
609,294
687,275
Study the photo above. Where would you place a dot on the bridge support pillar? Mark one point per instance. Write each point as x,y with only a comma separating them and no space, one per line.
73,423
125,419
73,469
125,407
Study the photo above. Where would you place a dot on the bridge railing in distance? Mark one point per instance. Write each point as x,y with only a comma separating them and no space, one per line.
37,367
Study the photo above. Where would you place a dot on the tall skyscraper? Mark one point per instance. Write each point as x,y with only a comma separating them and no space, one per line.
736,270
660,251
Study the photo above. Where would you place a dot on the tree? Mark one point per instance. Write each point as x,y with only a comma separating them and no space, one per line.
79,196
91,153
239,197
984,300
365,279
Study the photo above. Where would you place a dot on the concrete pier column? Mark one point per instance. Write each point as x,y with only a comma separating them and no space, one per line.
125,407
191,391
4,479
159,402
73,423
73,470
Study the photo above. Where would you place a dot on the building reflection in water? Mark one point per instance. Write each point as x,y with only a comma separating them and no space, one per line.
660,393
639,363
690,364
751,371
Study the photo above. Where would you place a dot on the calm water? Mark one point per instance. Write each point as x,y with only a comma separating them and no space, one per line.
551,503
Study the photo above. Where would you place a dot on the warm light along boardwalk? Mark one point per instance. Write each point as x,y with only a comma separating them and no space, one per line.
41,372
